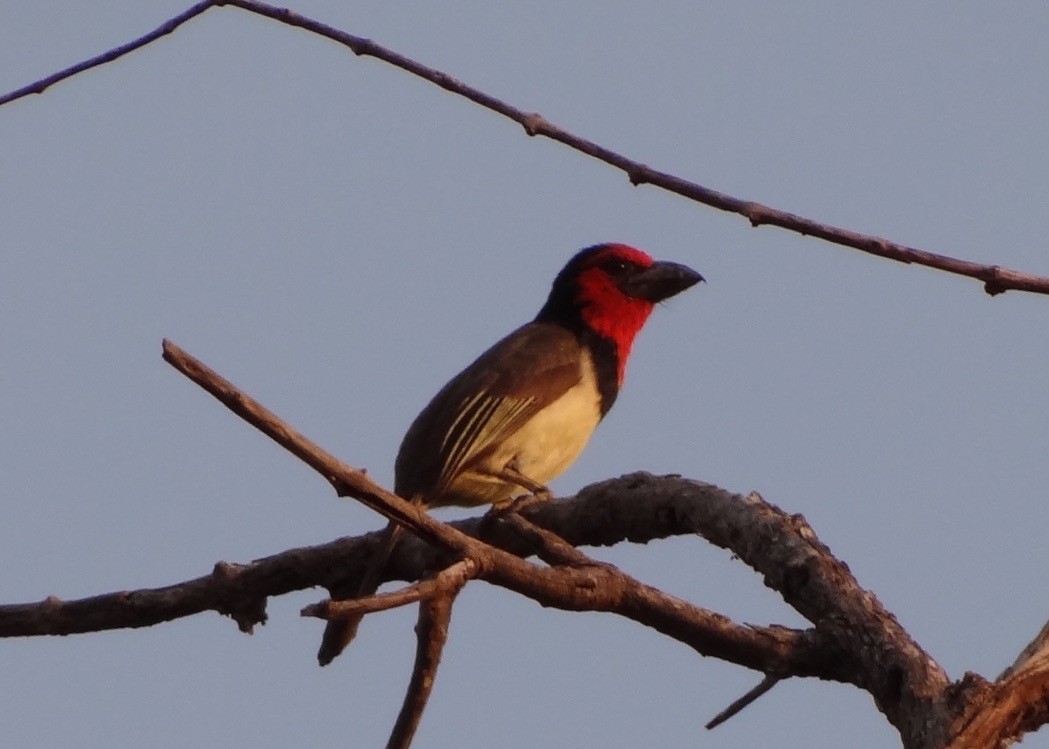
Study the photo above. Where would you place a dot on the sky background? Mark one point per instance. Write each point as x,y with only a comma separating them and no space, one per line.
339,238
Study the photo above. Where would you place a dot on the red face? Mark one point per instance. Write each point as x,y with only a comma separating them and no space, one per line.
611,289
604,299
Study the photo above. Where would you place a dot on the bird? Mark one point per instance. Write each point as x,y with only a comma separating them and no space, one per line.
523,411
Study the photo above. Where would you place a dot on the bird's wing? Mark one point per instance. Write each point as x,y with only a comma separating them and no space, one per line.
486,403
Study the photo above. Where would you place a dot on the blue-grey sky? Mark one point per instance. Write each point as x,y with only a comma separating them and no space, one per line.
339,238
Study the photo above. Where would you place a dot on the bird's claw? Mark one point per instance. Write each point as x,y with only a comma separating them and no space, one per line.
525,501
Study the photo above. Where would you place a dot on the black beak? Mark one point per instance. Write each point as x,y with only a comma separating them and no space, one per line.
660,281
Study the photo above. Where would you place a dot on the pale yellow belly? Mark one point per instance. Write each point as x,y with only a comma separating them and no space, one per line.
541,450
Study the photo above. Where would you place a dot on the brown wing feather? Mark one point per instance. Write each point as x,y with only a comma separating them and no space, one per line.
484,404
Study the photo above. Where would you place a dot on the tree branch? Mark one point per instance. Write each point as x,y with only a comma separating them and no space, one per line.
38,87
601,588
855,639
999,714
901,677
455,575
996,279
435,614
605,515
732,710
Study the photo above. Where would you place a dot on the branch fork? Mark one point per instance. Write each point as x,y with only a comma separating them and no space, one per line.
853,638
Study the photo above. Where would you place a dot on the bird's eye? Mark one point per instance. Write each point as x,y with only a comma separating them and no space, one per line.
615,267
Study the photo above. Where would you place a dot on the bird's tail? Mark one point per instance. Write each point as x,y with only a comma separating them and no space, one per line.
340,632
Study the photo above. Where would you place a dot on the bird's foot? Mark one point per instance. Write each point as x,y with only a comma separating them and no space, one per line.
525,501
536,492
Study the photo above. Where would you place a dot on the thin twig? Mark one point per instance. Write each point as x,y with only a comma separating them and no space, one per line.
435,614
456,574
345,479
766,684
548,546
996,279
38,87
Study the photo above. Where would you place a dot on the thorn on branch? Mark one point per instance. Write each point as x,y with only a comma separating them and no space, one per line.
994,285
361,46
447,82
534,123
640,175
49,608
736,707
885,248
756,214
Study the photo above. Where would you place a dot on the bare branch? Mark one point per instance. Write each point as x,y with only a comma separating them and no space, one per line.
855,639
852,628
548,546
341,632
238,591
600,588
451,577
435,614
629,510
901,677
38,87
734,709
996,279
346,480
996,715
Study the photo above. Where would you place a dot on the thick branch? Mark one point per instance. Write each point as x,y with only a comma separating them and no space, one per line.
622,509
901,677
996,715
1001,713
855,638
601,588
996,279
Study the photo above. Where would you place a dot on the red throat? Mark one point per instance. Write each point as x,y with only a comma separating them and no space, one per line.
612,314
